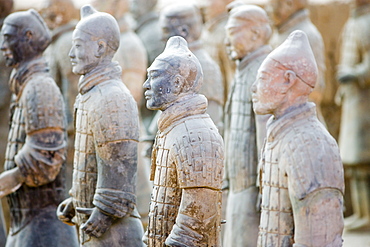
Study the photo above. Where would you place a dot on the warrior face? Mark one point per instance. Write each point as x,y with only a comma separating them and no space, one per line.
84,53
162,86
240,39
268,96
12,45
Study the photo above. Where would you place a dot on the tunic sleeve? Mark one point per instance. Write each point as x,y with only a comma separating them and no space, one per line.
199,161
116,136
43,153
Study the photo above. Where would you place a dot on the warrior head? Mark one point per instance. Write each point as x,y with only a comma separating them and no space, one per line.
174,74
282,10
182,20
286,77
247,29
26,36
95,40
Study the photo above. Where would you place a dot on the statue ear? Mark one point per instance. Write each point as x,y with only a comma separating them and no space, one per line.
102,47
28,35
290,78
178,84
256,34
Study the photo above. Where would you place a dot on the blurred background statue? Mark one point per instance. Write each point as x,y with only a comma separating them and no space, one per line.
214,15
247,35
147,27
61,18
354,96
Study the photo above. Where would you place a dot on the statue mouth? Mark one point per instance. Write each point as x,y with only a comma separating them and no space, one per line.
148,96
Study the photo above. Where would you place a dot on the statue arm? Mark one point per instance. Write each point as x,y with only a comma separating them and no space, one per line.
312,165
200,179
318,219
43,153
198,214
42,156
114,194
116,136
37,164
362,70
351,65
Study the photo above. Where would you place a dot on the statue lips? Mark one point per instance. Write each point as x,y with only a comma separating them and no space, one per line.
254,98
148,95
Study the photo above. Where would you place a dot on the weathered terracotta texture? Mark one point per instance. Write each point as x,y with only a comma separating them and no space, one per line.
185,20
34,176
353,94
188,154
103,201
301,174
248,32
147,27
288,16
215,17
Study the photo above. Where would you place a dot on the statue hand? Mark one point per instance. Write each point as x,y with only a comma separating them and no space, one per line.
10,181
97,224
66,211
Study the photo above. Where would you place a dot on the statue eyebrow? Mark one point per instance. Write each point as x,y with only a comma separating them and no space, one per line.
151,72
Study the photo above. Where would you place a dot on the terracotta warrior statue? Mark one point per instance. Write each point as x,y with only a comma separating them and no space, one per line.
185,20
290,15
247,33
354,139
215,17
301,173
34,166
188,154
103,201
